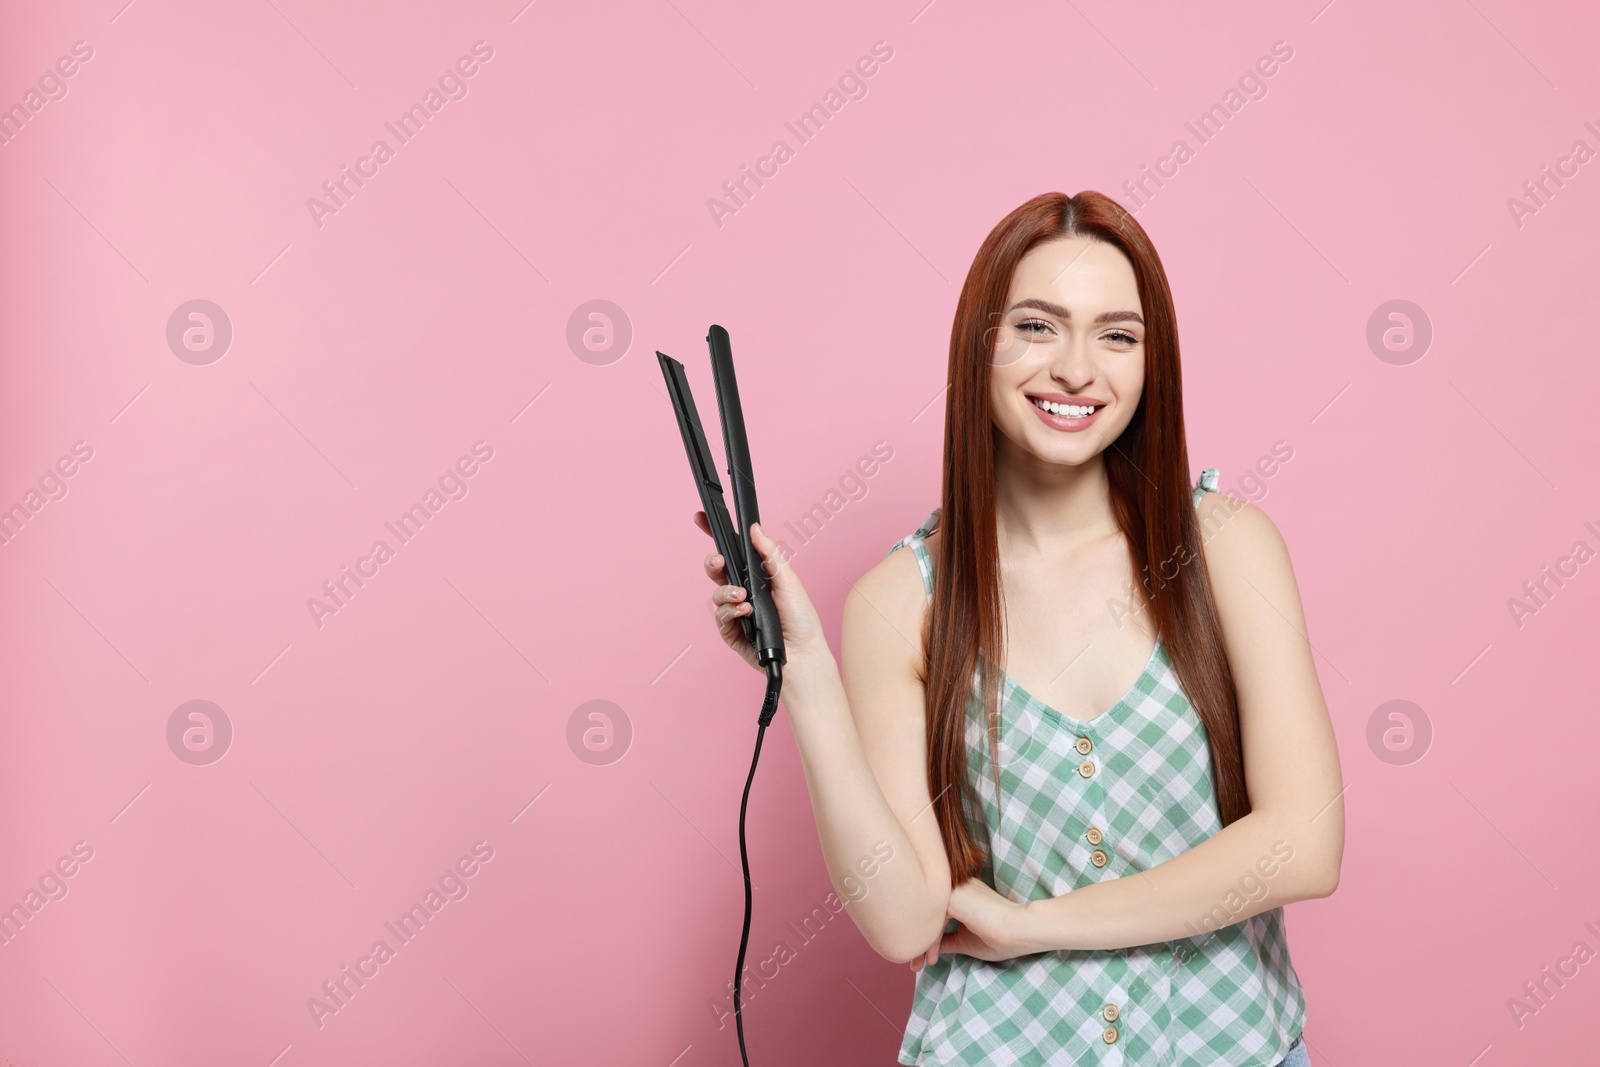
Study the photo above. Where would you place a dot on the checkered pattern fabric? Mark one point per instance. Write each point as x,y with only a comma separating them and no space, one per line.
1086,802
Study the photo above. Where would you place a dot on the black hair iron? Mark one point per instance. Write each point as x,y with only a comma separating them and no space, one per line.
741,561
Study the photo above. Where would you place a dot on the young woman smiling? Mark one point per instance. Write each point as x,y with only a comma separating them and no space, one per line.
1086,869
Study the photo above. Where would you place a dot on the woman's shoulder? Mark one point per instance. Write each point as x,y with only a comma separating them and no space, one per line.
1242,546
897,578
1230,524
884,612
893,590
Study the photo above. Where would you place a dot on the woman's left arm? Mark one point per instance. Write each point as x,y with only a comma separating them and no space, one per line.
1288,847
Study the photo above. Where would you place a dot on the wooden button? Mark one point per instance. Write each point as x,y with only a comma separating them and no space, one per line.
1085,746
1110,1012
1086,769
1094,835
1109,1035
1098,858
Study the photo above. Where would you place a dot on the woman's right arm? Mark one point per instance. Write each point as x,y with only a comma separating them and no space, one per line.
862,745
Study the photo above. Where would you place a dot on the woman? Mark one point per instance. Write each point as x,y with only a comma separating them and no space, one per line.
1082,870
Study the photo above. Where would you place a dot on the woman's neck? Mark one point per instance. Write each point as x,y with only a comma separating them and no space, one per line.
1049,508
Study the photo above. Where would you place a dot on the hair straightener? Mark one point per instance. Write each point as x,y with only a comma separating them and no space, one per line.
740,559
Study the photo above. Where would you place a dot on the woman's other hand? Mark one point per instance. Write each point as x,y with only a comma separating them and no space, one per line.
990,926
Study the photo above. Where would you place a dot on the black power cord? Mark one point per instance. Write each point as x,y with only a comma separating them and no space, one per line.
769,705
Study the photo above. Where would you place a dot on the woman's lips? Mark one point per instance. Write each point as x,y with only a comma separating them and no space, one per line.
1059,422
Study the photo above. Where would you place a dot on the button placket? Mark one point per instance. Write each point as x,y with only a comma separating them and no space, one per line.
1110,1018
1085,748
1089,769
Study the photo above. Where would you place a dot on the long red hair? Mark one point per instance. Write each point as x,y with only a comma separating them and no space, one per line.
1147,467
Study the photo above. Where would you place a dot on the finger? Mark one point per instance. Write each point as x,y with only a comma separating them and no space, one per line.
773,561
701,521
716,569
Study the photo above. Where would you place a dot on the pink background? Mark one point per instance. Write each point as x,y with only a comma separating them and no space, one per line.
371,352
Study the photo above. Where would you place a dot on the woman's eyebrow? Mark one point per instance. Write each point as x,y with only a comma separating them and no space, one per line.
1066,316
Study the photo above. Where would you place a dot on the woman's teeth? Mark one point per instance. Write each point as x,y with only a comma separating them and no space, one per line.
1066,411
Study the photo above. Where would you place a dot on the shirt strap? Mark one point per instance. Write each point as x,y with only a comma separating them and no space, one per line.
920,549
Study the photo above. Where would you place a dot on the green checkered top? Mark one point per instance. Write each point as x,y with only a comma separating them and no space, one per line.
1087,802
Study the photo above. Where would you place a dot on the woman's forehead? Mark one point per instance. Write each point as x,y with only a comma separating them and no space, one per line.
1081,275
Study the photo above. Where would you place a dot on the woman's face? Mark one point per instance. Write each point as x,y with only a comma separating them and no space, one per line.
1071,334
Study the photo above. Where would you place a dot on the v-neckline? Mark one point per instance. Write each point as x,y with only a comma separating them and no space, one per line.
1089,724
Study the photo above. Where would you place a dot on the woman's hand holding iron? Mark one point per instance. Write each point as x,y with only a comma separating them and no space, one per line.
803,638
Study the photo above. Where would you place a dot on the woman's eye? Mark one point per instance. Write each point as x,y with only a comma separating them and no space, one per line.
1033,327
1123,337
